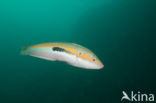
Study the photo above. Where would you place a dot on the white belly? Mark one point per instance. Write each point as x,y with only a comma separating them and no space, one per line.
73,60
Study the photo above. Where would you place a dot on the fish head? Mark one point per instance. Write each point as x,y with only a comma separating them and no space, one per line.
89,60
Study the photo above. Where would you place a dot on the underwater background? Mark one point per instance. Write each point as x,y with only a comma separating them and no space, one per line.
120,32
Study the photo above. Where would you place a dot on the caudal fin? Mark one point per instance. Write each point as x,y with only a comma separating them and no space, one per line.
23,50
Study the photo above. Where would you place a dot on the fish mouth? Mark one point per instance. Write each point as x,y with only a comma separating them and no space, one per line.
100,64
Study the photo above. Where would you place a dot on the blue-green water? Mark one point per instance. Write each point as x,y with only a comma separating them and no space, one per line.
120,32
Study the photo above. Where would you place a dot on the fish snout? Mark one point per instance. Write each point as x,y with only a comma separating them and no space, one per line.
101,65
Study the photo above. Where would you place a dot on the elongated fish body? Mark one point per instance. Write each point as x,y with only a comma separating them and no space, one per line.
71,53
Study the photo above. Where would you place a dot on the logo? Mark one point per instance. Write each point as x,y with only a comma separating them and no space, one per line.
137,97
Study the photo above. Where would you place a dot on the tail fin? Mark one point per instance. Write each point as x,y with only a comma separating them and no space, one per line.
23,50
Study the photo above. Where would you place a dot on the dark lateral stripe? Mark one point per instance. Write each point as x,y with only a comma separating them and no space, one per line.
61,50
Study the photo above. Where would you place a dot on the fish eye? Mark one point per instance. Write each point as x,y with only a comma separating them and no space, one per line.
93,59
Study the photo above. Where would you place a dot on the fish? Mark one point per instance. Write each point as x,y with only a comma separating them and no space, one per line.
71,53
